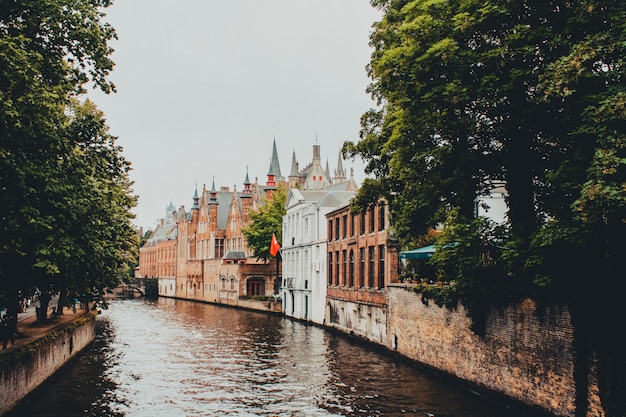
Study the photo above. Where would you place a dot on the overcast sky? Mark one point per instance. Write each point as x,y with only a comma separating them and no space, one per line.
204,87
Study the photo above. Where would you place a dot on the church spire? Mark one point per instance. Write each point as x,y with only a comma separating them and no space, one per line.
274,164
274,172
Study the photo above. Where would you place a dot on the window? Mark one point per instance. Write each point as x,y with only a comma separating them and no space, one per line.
219,248
371,266
330,230
256,286
345,267
351,271
352,225
381,218
362,267
337,268
381,266
337,226
362,223
297,225
345,226
330,269
372,214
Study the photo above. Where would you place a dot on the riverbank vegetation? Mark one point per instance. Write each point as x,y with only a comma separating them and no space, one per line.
526,94
65,186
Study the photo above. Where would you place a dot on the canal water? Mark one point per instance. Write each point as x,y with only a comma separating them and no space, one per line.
174,358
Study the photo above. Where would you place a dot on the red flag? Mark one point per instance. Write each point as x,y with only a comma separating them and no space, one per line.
274,246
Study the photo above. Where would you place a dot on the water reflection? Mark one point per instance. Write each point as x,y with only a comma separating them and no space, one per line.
178,358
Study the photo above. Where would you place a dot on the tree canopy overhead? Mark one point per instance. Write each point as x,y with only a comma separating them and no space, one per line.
66,193
529,93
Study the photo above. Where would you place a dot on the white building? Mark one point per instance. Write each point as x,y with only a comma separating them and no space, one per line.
493,205
304,250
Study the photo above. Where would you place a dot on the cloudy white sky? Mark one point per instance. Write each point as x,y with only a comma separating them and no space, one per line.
204,87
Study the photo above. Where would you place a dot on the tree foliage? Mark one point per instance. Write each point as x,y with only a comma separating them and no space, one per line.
264,222
66,192
530,93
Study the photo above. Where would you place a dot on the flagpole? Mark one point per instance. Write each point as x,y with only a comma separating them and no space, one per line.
275,252
280,284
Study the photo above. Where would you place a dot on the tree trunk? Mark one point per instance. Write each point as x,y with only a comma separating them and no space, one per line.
44,301
13,308
61,303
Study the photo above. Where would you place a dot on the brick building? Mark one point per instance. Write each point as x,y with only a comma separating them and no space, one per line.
360,264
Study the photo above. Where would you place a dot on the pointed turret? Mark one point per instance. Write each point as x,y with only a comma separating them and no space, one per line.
274,172
294,165
327,169
196,200
294,174
340,173
213,193
247,191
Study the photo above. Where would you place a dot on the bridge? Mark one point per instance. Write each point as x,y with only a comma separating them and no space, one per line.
130,288
136,288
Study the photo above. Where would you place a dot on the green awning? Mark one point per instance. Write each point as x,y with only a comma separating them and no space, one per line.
425,252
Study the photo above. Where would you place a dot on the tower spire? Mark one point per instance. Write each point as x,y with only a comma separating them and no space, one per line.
274,164
274,172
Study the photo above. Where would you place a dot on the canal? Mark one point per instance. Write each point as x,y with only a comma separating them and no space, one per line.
180,358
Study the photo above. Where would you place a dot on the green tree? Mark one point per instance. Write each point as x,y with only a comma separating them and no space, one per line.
527,92
65,188
95,209
264,222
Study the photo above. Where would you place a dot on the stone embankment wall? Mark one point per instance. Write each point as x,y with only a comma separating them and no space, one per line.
269,306
524,355
27,367
367,321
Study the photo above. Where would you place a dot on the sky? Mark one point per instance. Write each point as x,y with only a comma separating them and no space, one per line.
204,87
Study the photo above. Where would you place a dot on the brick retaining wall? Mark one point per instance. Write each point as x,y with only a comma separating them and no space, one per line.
27,367
523,356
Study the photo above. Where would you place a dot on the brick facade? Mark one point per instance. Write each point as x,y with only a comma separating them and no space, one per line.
201,253
360,266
